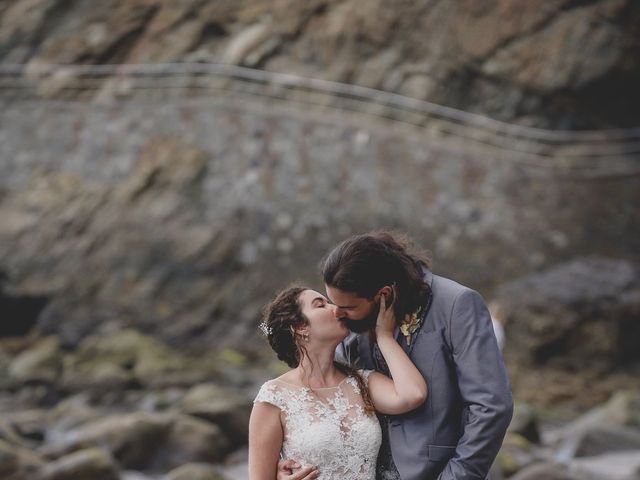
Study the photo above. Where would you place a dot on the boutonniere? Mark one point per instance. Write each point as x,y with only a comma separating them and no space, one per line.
410,325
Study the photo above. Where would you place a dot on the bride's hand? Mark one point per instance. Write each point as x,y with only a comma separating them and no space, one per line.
386,323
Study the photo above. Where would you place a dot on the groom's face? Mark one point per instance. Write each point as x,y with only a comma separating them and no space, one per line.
358,313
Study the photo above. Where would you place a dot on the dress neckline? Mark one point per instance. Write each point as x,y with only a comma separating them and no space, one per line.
314,388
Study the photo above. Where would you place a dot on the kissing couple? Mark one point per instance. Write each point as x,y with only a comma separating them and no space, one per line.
395,374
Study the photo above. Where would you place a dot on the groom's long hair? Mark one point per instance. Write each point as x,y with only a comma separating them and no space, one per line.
363,264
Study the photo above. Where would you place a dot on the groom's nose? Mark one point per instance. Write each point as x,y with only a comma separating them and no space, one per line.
339,312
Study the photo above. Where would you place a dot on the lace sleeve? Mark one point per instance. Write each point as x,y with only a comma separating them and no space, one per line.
269,393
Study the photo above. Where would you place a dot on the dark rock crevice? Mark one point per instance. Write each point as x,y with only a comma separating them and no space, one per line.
19,313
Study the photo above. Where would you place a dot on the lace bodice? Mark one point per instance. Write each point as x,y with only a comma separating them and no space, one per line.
327,427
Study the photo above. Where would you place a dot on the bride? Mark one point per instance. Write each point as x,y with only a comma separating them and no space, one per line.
321,413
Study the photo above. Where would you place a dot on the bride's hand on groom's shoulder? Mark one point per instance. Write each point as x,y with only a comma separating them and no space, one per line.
286,467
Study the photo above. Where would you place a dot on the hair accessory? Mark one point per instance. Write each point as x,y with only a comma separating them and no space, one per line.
265,329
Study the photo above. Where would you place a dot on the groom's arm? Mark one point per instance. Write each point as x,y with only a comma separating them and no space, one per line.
484,386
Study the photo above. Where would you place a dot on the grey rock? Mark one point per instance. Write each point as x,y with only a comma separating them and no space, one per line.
611,426
609,466
545,471
18,463
605,439
195,471
226,408
131,438
89,464
578,315
42,362
525,422
189,440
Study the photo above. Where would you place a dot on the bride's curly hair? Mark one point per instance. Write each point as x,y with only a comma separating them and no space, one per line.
281,318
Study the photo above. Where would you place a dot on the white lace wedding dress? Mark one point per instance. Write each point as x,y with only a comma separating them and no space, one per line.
327,427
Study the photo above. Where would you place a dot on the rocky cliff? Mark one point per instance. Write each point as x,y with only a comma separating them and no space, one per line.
550,63
176,201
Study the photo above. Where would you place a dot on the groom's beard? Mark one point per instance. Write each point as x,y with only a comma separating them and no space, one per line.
366,324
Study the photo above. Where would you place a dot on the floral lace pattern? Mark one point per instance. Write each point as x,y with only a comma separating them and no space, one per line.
327,427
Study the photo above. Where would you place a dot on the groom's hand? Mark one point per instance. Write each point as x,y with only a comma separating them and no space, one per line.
285,469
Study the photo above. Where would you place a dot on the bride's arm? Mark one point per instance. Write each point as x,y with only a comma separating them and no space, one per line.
407,388
265,441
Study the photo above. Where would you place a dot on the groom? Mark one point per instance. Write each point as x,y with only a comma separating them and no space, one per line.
446,330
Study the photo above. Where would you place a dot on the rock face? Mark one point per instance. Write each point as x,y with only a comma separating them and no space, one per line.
184,219
580,315
165,215
549,63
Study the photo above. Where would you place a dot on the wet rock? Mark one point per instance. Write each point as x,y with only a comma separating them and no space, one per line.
68,415
31,425
18,463
94,376
42,362
89,464
114,361
579,315
159,400
245,42
525,422
8,433
189,440
622,409
226,408
601,440
609,466
515,454
9,463
194,471
612,426
545,471
131,438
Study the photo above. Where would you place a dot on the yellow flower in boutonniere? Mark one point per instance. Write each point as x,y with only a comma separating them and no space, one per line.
409,326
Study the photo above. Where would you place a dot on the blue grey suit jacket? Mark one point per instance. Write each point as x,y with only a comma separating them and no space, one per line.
457,432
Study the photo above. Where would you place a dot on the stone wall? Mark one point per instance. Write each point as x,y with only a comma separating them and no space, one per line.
182,216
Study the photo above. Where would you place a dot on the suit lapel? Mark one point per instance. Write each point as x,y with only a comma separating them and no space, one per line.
428,277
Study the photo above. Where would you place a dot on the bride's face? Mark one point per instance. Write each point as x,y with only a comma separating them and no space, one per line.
323,321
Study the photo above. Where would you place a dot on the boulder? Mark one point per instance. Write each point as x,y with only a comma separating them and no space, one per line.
226,408
88,464
194,471
189,440
117,360
583,314
515,454
41,362
525,422
30,425
18,463
605,439
609,466
612,426
131,438
69,414
9,462
145,441
545,471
